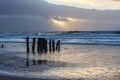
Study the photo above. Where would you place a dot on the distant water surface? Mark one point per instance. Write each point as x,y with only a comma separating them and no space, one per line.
71,37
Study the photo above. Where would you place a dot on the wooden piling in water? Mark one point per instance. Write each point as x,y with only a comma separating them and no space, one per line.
58,46
46,47
38,45
50,45
27,44
41,45
53,45
33,45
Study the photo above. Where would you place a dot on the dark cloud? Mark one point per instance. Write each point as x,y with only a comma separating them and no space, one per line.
24,23
24,7
44,9
35,15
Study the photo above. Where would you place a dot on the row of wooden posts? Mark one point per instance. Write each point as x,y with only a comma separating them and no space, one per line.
42,45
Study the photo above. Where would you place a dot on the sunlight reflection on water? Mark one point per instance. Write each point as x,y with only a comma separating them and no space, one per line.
78,62
74,72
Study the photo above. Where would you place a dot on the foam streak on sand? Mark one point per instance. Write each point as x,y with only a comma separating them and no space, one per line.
7,73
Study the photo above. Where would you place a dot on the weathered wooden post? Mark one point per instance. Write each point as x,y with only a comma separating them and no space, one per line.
50,45
27,44
53,45
38,45
58,46
46,48
41,45
33,45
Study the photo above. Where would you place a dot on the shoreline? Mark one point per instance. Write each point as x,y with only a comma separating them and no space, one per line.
8,77
87,44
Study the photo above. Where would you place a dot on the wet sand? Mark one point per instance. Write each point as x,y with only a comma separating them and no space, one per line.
6,77
74,62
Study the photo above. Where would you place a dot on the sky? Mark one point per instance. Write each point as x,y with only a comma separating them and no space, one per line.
90,4
59,15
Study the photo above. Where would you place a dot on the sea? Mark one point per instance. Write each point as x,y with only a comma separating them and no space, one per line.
67,37
84,55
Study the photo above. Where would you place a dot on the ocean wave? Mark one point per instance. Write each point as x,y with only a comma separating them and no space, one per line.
71,37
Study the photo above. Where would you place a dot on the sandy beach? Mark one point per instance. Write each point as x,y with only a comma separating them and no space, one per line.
73,62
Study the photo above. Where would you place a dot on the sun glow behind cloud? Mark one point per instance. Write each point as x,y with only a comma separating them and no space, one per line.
66,23
90,4
60,23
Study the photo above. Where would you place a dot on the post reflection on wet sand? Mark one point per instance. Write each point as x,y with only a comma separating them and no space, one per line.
75,63
39,58
34,59
27,59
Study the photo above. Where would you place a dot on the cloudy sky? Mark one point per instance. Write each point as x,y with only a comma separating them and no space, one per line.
59,15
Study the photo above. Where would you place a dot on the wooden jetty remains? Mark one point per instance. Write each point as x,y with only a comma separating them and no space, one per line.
40,46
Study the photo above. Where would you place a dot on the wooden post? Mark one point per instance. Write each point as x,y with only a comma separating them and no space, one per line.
53,45
41,44
46,48
38,45
27,44
58,46
50,45
33,45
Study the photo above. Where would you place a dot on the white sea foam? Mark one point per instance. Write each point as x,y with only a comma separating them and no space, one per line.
84,38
